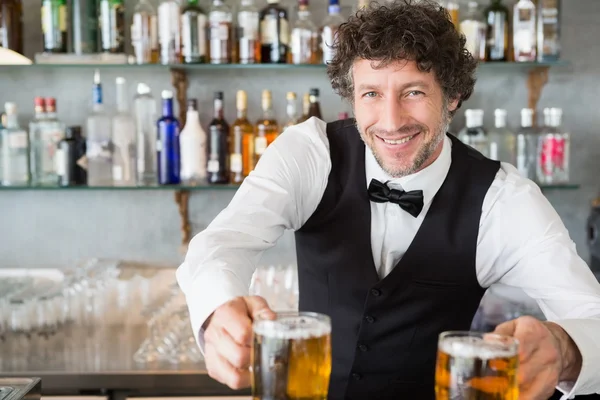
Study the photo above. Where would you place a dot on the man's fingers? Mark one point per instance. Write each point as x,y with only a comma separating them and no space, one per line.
233,317
236,354
258,308
506,328
222,371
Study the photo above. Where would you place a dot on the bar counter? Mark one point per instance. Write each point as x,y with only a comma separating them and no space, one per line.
115,371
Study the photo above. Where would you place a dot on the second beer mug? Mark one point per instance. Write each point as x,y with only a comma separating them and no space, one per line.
472,365
291,357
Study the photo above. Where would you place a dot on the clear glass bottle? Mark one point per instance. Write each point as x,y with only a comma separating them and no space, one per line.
193,33
124,133
305,38
474,27
328,31
84,27
549,30
502,140
527,139
248,42
44,138
15,150
145,111
242,140
192,142
553,150
169,32
524,31
497,31
99,153
220,40
144,33
274,33
473,134
291,110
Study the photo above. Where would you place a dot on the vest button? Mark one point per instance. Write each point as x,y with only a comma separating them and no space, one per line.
369,319
363,347
376,292
356,376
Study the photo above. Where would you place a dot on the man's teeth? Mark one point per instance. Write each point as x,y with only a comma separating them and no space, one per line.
400,141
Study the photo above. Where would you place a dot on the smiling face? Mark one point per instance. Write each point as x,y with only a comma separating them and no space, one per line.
401,114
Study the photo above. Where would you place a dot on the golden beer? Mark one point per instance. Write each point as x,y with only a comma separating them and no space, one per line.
476,366
291,357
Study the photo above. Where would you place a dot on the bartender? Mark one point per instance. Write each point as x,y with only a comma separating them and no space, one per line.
399,228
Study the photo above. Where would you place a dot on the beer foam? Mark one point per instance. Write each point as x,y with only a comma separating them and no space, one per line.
475,347
292,327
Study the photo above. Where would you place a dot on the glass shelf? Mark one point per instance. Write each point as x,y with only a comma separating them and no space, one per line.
221,67
231,187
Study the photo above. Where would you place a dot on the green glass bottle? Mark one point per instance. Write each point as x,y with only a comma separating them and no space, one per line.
496,16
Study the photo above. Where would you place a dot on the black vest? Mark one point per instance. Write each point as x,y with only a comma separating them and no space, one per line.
384,331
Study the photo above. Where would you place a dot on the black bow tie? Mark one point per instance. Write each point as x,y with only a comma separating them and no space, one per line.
411,202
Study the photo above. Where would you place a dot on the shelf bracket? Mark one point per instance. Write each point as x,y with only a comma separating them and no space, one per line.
537,79
182,198
180,83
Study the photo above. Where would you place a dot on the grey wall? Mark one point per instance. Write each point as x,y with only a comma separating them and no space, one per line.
53,228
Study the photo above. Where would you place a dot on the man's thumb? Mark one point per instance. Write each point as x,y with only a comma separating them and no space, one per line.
258,308
506,328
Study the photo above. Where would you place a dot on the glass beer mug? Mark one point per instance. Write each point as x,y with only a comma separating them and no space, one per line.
473,365
291,357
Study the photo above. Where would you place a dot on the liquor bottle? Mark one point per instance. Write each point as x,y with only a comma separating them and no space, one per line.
54,26
553,150
305,107
242,141
527,139
453,10
193,33
218,144
330,26
220,41
291,110
267,128
474,27
167,145
192,142
169,32
274,33
248,42
548,39
99,144
83,21
496,15
145,123
305,38
112,26
144,33
473,133
45,134
11,25
524,31
502,140
15,150
314,109
69,154
124,133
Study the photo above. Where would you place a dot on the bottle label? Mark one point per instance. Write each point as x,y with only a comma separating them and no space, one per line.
284,31
99,149
260,145
62,18
60,162
213,166
236,163
169,35
17,140
193,35
248,24
159,146
268,30
117,172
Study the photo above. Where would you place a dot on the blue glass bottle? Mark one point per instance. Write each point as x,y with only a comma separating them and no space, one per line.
167,147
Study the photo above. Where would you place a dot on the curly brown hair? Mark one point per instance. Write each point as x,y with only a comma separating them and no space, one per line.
404,30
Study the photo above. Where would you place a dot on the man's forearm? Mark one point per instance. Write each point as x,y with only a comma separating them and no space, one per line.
571,356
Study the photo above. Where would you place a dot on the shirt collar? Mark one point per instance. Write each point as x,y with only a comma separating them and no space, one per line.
429,179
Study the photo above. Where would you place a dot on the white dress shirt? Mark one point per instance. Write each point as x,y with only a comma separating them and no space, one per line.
522,242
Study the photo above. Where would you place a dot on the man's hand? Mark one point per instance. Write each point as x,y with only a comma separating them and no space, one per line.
228,340
547,355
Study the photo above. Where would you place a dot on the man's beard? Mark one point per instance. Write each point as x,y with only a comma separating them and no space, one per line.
424,152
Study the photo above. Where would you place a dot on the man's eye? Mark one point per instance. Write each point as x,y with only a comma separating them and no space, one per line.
370,94
415,93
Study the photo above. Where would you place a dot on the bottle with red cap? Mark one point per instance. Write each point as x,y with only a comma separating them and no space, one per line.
46,131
